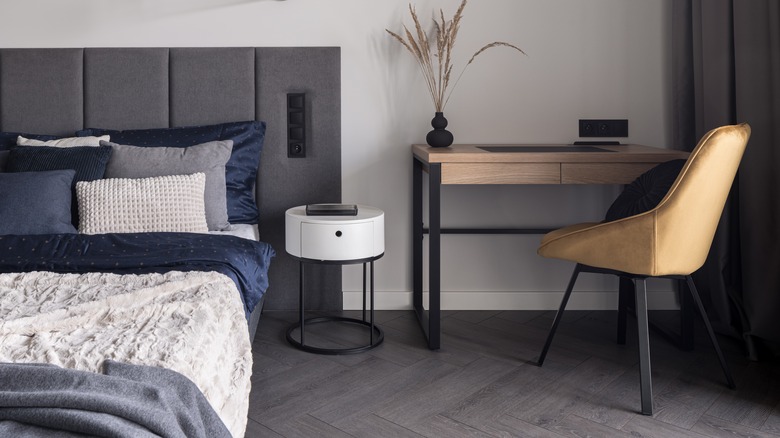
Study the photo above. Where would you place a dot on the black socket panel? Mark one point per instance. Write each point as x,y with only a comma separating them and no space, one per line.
604,128
296,125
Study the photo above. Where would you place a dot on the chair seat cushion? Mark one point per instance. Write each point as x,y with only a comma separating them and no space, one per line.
645,192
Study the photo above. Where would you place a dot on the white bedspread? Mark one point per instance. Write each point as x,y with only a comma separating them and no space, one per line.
190,322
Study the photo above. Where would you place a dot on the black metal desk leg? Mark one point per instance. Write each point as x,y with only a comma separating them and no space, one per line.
417,236
430,320
434,262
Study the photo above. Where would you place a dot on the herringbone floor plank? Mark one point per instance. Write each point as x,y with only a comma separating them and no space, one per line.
483,382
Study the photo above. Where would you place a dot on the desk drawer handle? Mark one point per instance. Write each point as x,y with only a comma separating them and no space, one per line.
338,233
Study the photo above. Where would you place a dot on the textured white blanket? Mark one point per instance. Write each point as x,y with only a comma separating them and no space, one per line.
190,322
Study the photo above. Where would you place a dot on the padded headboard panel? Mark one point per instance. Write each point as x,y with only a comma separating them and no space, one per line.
59,91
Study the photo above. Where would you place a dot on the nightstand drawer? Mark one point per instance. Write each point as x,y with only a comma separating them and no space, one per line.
337,241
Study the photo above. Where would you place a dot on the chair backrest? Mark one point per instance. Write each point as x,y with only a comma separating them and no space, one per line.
686,219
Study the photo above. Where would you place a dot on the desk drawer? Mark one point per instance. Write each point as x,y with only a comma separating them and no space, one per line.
602,173
500,173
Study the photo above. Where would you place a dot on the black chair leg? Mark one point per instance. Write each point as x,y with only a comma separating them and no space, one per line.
558,315
645,381
687,316
625,291
697,300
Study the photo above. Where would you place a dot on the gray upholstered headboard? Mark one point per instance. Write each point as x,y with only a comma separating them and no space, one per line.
60,91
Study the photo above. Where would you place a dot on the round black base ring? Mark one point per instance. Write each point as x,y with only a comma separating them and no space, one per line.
380,336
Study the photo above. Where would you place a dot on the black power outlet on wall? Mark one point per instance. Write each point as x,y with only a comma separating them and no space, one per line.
296,125
603,127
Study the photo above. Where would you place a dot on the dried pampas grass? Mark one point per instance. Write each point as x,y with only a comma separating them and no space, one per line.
435,57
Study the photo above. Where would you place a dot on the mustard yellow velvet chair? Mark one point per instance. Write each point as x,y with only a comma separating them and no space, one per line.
670,241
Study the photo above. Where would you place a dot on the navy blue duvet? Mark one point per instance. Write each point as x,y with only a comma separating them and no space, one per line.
244,261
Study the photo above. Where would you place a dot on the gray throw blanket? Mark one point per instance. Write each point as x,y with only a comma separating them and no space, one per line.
41,400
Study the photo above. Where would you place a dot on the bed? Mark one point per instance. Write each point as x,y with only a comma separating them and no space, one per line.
158,178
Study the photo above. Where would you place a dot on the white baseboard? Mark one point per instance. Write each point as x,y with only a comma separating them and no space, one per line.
511,300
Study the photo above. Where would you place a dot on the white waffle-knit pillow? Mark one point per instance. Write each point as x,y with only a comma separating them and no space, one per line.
123,205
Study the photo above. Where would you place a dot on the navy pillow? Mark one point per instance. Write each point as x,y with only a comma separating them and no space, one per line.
89,162
36,202
240,170
645,192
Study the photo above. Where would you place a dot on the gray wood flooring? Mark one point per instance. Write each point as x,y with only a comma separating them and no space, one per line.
482,382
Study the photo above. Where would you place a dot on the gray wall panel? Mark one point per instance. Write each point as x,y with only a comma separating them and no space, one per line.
212,85
41,90
286,182
126,88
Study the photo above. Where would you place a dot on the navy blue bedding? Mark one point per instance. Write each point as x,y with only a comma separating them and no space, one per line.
243,260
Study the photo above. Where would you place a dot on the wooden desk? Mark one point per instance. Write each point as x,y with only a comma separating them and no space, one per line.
536,164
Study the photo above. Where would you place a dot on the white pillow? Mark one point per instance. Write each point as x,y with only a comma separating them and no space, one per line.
67,142
171,203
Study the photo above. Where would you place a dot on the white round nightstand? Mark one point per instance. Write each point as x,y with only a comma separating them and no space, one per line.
338,240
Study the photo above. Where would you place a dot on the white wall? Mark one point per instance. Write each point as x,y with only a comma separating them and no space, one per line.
586,59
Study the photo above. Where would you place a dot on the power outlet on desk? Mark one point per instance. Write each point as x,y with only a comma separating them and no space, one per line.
604,128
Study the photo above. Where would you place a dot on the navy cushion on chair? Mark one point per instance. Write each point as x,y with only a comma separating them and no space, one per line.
645,192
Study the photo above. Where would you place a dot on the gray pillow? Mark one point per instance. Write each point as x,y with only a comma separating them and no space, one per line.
36,202
210,158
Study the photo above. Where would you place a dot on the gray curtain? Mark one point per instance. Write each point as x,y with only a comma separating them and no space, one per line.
726,71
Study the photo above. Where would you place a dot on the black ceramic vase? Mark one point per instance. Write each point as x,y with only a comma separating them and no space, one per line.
439,137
